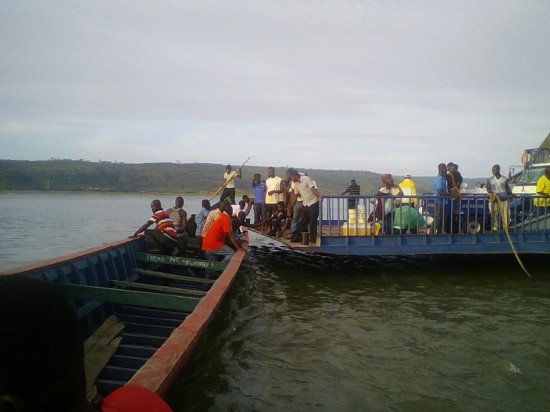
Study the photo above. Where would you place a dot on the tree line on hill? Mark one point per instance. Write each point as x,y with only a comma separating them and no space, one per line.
182,178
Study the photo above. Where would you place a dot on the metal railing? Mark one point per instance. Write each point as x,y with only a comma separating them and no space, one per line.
429,215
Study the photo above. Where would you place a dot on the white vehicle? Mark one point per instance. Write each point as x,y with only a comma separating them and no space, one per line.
523,179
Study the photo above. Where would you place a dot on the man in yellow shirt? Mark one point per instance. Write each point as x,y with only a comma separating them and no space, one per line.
543,189
409,189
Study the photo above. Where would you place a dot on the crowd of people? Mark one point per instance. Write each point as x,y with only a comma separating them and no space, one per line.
289,206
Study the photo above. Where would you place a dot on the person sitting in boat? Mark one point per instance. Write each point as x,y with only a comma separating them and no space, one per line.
179,217
278,219
213,215
214,240
229,189
499,192
354,190
238,208
200,219
164,236
240,222
387,201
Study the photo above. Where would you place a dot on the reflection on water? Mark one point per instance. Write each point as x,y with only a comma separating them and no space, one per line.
305,332
301,332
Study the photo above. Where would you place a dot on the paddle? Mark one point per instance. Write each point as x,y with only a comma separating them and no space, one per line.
228,180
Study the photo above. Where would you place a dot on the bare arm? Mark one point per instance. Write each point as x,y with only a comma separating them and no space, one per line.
235,242
142,228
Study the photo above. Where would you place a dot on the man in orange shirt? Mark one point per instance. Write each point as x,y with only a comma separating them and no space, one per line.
213,242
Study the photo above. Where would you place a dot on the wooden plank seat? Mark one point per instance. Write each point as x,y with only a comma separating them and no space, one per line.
129,297
157,288
171,276
98,350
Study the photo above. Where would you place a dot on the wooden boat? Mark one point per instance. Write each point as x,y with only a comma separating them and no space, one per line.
143,313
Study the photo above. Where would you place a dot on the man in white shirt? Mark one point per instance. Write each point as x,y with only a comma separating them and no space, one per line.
229,189
305,186
273,195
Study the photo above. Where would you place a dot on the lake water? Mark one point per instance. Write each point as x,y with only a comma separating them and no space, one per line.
301,332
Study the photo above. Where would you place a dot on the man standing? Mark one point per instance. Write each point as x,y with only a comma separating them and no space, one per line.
543,189
304,186
213,242
164,235
440,193
354,190
390,190
408,188
274,191
259,188
499,191
229,189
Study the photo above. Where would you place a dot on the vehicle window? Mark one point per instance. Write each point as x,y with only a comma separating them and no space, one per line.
531,175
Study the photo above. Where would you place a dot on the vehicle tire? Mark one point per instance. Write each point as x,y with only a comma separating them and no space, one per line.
474,227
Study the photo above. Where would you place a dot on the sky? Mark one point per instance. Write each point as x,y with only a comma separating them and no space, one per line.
381,86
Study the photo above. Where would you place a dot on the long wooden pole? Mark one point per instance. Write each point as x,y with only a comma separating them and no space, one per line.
228,180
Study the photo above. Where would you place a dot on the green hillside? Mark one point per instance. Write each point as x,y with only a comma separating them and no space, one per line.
188,178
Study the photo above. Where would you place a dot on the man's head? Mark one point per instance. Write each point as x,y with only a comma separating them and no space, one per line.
353,183
228,168
41,349
155,205
179,201
246,198
257,177
387,179
270,172
206,204
407,176
222,205
496,170
442,168
228,209
451,167
241,216
242,204
293,175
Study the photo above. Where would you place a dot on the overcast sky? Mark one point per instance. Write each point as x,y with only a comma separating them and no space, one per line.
392,86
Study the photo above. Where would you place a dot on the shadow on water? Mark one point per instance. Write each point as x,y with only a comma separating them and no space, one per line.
301,332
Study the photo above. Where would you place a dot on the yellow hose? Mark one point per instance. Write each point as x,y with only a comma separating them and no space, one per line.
492,198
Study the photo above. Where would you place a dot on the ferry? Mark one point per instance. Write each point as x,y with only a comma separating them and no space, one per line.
142,313
346,231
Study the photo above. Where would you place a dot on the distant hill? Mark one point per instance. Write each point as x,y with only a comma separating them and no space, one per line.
184,178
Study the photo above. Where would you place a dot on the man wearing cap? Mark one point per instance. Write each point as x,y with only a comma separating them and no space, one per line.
409,189
229,189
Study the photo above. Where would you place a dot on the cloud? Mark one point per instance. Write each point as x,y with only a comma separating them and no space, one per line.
314,84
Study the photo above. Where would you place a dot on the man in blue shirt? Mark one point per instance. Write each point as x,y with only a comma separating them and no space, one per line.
259,188
440,193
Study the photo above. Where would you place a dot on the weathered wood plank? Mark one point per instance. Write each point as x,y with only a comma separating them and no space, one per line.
158,288
179,261
129,297
98,350
172,276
